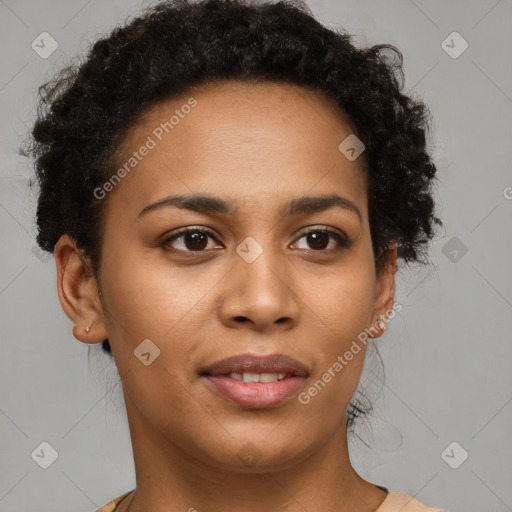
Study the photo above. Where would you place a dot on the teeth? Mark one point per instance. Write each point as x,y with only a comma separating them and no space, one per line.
252,377
257,377
268,377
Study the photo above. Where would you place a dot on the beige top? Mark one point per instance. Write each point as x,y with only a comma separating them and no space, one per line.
394,502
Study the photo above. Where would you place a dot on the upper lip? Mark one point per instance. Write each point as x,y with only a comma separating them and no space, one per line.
276,363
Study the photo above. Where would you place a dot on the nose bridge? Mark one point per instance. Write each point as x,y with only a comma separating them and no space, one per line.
259,264
260,290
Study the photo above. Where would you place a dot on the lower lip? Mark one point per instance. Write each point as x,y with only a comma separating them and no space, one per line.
256,395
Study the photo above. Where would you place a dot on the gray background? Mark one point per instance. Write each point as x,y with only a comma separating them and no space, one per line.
447,355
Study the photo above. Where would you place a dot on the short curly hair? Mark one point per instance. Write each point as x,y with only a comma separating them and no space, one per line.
85,110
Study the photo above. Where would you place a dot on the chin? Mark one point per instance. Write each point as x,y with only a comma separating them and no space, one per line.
261,456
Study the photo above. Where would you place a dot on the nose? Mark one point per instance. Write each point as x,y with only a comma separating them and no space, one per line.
260,295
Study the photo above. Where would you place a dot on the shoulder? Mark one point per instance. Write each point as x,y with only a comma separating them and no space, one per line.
398,502
111,505
394,502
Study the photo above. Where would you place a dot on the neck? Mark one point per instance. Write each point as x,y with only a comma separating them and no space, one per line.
170,478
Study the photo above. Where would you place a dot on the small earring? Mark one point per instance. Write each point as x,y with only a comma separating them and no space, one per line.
87,328
381,323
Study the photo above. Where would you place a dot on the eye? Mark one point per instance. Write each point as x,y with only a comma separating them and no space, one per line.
319,238
194,239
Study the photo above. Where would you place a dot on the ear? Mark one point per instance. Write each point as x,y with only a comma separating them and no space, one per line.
78,292
385,292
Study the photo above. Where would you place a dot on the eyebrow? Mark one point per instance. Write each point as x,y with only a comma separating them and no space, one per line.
207,204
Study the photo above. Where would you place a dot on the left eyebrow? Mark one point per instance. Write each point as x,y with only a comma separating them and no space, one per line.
207,204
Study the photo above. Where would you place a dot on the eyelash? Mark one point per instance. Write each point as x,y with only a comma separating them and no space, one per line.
344,243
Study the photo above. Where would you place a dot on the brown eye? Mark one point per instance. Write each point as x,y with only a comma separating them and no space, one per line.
192,240
318,240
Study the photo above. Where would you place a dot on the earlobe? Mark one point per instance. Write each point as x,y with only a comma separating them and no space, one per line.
78,292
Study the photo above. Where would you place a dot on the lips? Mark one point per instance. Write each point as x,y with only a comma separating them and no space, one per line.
257,382
247,363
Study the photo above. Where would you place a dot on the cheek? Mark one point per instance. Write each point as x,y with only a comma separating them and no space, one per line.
345,306
343,311
146,299
342,302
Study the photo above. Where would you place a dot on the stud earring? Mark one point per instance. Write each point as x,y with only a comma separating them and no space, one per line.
87,328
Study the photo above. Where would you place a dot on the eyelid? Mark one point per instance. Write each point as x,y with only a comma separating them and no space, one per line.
167,238
323,228
343,240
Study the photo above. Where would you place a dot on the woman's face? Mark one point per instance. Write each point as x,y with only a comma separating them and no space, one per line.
250,281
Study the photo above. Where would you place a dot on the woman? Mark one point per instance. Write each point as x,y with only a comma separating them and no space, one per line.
228,188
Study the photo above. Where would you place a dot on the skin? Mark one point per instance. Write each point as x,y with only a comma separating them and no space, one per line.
259,145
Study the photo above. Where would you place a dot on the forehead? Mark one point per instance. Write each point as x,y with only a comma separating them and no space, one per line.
238,140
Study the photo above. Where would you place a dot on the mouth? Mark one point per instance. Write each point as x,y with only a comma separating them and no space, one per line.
256,382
